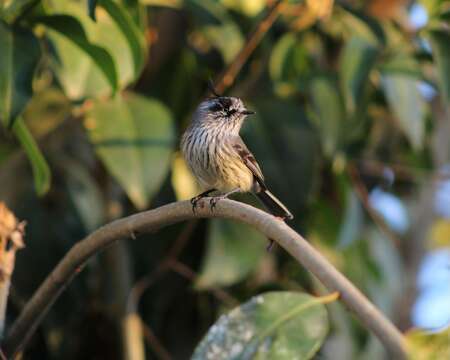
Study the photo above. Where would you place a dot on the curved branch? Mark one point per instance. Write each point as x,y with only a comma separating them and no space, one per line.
153,220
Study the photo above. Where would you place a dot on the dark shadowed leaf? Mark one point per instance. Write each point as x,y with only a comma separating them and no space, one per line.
134,137
440,42
357,59
233,251
71,28
407,104
131,32
41,171
275,325
19,55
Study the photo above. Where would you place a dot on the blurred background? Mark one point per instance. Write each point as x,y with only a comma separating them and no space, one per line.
352,133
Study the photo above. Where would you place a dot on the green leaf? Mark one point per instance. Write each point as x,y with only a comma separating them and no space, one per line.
357,60
327,113
72,30
440,43
217,27
233,251
131,32
275,325
12,9
407,104
41,170
20,54
134,137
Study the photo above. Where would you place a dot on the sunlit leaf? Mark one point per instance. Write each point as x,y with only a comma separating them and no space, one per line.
407,104
131,32
275,325
72,30
134,137
428,346
20,54
79,76
41,171
440,233
357,59
440,42
233,251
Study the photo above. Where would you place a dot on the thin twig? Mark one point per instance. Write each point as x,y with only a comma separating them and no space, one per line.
158,348
153,220
226,78
189,274
363,195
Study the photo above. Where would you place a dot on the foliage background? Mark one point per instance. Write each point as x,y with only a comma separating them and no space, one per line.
352,132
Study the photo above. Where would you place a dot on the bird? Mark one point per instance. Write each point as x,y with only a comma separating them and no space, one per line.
218,157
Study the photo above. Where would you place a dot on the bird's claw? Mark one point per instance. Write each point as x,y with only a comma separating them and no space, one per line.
194,202
269,245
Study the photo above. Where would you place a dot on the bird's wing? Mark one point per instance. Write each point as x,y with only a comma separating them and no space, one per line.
248,159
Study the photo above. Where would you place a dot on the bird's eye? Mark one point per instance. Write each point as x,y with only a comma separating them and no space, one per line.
231,112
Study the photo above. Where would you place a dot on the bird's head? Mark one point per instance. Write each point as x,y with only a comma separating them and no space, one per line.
222,111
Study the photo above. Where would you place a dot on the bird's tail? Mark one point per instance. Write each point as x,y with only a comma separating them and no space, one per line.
274,205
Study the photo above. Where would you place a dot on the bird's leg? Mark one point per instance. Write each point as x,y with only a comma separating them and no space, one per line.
270,245
195,199
215,199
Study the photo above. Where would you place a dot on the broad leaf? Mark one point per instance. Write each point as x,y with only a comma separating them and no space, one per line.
327,113
233,251
428,345
357,59
131,32
20,54
440,42
134,137
275,325
72,30
41,171
407,104
78,74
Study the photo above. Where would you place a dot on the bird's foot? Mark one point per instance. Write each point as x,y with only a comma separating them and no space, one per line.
194,202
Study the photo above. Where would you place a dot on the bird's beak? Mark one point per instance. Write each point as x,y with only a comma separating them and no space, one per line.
248,112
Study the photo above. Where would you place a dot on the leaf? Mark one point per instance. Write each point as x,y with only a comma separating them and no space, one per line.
356,62
233,251
353,221
11,10
183,182
327,113
134,137
69,27
218,27
428,346
275,325
84,193
407,104
131,32
440,43
20,54
41,170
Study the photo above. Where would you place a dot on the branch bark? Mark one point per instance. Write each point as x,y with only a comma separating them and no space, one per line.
153,220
